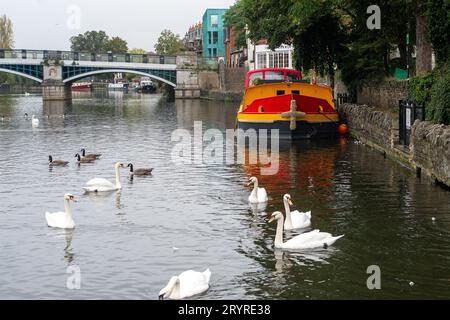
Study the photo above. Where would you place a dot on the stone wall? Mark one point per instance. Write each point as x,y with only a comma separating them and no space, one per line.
430,150
380,127
384,95
235,79
208,80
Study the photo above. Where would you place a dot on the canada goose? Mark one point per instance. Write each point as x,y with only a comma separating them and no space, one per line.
57,162
90,155
83,160
140,172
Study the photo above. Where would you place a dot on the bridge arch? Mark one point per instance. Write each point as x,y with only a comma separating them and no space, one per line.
103,71
21,74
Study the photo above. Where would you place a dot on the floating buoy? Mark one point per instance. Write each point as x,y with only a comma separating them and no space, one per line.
343,129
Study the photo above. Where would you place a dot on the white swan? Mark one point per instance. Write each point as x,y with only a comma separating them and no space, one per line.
309,240
34,121
64,219
103,185
295,219
258,195
187,284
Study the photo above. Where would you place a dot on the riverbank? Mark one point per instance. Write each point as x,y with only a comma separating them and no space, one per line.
429,150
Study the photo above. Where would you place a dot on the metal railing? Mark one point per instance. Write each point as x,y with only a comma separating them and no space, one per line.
409,112
86,56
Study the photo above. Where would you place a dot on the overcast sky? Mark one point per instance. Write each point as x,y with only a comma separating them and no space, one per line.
48,24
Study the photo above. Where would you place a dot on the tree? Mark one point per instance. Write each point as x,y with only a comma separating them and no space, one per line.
168,43
116,45
90,41
235,18
6,33
138,51
423,45
438,20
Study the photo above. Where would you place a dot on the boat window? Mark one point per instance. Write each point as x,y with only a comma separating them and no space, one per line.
275,75
292,76
295,91
255,79
280,92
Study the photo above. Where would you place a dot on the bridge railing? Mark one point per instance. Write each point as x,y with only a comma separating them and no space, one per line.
86,56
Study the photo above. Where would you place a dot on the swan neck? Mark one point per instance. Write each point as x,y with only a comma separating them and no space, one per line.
288,212
279,234
67,208
118,184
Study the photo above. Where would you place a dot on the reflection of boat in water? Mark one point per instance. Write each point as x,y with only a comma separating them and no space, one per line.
278,99
81,86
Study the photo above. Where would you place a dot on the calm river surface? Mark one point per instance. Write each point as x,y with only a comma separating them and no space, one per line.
123,243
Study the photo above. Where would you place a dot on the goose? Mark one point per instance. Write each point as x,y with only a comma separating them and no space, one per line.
90,155
187,284
139,172
310,240
57,162
34,120
258,195
83,160
295,219
103,185
64,219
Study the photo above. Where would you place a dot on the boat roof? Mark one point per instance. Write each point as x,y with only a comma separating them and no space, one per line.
285,71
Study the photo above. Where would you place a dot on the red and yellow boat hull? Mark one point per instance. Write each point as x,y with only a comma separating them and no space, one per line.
268,106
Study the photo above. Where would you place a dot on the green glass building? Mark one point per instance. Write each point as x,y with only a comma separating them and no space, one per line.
213,33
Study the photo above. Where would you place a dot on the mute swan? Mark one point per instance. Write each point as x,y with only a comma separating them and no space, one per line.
309,240
83,160
57,162
258,195
139,172
103,185
295,219
187,284
34,120
26,94
90,155
64,219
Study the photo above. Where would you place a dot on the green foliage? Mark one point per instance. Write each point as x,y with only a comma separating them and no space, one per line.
169,43
235,18
438,110
438,20
6,33
90,41
99,42
138,51
419,89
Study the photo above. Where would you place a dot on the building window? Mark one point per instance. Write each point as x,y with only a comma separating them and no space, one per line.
262,60
214,21
209,38
214,52
215,37
209,52
271,60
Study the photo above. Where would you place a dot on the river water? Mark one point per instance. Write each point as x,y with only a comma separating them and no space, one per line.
124,242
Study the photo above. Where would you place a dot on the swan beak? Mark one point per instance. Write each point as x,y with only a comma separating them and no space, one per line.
161,297
271,220
290,203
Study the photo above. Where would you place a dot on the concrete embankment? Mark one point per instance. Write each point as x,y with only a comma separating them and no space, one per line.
429,150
